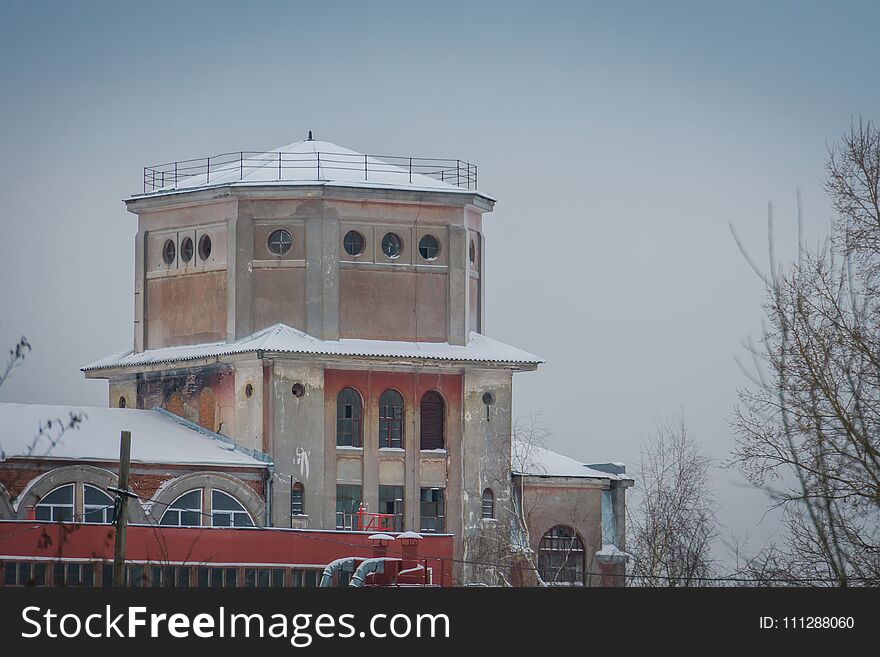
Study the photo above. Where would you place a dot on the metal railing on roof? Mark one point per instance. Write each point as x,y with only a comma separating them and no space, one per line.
279,166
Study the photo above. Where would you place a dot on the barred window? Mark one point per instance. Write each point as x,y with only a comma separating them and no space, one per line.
297,499
488,503
561,557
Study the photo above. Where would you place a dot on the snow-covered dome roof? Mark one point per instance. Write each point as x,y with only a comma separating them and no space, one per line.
312,162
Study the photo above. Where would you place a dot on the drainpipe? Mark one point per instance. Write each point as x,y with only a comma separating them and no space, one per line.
368,567
332,567
271,475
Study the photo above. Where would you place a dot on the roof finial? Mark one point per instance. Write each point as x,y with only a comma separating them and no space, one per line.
310,136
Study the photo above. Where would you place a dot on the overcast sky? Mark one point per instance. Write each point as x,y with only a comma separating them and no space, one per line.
621,140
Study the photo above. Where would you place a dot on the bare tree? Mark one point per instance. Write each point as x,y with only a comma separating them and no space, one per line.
673,531
808,430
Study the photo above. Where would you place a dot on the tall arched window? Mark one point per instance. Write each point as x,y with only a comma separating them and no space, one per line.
57,505
185,511
391,419
97,506
348,418
561,557
226,511
297,499
488,503
432,419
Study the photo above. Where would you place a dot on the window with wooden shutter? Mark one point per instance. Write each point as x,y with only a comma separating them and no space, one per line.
433,410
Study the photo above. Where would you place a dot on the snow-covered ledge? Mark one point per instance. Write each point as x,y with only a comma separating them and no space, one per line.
611,554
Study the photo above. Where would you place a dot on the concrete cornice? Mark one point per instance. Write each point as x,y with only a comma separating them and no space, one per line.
325,191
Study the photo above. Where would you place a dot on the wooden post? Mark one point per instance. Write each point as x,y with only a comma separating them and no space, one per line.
121,510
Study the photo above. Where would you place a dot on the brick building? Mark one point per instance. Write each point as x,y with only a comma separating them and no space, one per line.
323,310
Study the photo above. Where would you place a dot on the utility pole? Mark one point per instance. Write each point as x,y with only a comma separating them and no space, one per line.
122,495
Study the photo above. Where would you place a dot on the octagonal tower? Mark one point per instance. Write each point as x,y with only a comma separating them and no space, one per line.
326,307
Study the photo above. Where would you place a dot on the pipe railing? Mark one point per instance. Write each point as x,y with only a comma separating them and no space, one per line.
280,166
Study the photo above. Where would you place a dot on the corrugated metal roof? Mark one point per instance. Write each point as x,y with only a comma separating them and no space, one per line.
156,436
282,339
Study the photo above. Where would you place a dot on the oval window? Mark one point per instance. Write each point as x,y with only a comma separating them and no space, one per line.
280,242
353,242
168,252
205,247
429,247
186,249
391,245
473,252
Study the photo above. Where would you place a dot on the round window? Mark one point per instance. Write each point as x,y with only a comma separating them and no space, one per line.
353,243
205,247
472,252
298,390
280,242
249,390
391,245
168,252
429,247
186,249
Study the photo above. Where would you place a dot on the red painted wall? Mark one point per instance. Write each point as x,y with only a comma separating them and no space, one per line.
209,545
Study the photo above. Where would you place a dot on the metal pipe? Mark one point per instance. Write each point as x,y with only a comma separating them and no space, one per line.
368,567
332,567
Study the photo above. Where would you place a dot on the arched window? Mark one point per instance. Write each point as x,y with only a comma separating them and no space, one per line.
297,499
98,506
488,503
185,511
226,511
432,415
391,419
561,557
348,418
57,506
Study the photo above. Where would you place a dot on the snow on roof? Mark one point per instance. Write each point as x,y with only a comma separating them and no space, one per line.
539,461
311,162
156,436
284,339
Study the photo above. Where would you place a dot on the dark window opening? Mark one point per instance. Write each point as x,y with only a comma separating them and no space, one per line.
472,252
429,247
391,419
122,402
391,503
353,242
348,501
348,418
186,249
432,415
432,511
168,252
205,247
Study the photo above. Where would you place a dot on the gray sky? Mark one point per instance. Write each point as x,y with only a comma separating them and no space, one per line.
620,138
